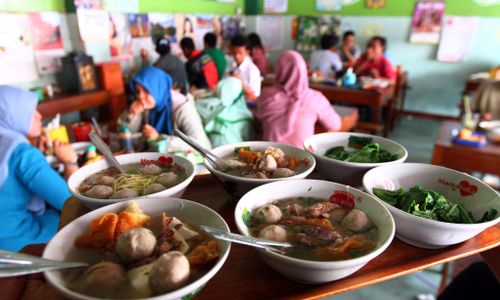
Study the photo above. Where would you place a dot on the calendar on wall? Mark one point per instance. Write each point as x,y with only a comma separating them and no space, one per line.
275,6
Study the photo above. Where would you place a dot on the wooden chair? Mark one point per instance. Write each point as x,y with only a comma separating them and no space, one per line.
396,105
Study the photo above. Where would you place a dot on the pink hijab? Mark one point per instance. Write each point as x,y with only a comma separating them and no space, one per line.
280,104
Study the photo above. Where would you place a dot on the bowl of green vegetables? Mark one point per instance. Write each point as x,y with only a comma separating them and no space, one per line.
434,206
345,156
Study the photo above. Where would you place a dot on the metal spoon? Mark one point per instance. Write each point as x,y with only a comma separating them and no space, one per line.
15,264
104,149
218,162
246,240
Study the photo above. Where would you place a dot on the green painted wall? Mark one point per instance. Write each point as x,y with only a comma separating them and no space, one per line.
191,6
31,5
393,8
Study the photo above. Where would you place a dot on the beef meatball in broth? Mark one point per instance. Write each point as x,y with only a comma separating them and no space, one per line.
124,193
154,188
168,179
151,169
100,191
135,244
268,213
169,272
274,233
102,279
356,220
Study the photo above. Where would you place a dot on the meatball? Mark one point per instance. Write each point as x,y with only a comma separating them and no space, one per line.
102,279
268,163
274,233
100,191
154,188
277,154
124,193
169,271
105,180
151,169
282,172
93,179
268,213
337,214
356,220
135,244
139,281
168,179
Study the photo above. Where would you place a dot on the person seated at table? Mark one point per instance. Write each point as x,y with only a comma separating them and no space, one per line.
326,60
289,109
200,67
244,69
32,194
349,51
373,62
171,64
226,117
258,54
210,41
486,100
159,109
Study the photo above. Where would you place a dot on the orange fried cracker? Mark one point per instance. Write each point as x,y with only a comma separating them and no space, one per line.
127,220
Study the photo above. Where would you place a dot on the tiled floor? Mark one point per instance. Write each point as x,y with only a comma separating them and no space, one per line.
417,135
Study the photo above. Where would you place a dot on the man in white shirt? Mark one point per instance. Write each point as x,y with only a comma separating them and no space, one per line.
244,68
326,60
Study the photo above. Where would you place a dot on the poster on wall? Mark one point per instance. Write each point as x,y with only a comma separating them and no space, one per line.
232,26
124,6
93,21
47,41
307,34
203,25
427,22
119,37
164,25
271,30
457,38
275,6
328,5
16,50
329,24
375,4
139,25
185,26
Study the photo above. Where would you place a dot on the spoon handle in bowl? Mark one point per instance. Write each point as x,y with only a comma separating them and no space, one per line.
104,149
247,240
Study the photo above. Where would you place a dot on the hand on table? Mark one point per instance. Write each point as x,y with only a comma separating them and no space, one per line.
348,122
375,73
31,286
65,153
149,132
135,108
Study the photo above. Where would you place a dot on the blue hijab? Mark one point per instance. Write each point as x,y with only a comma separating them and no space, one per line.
158,83
17,107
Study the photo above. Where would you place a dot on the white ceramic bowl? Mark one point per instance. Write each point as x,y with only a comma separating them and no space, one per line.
456,186
307,271
492,129
348,172
236,185
61,247
93,203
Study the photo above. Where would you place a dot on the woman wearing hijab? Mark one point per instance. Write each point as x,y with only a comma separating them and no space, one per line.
158,109
31,193
289,109
227,118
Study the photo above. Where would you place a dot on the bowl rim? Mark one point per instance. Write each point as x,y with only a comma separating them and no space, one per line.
185,290
449,225
354,164
325,264
98,201
303,174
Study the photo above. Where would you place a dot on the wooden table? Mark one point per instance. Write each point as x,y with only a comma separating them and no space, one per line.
464,158
245,276
377,100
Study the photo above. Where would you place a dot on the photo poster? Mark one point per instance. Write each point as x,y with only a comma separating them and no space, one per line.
271,29
93,21
123,6
375,4
164,25
232,26
329,24
185,25
139,25
203,25
328,5
47,41
457,38
119,37
88,4
16,49
307,34
275,6
427,22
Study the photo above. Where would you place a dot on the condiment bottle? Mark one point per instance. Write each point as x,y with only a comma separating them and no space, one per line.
125,136
349,78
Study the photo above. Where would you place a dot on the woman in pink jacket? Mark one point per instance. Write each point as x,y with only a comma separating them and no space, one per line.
289,109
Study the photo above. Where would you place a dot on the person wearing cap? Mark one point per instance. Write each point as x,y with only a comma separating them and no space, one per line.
171,64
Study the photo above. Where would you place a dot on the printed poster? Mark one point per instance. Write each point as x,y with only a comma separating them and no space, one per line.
275,6
119,36
328,5
375,4
457,38
185,26
329,24
16,49
139,25
307,34
164,25
427,22
93,21
271,32
124,6
203,25
47,41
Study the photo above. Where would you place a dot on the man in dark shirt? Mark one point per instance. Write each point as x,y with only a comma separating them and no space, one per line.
200,68
171,64
217,55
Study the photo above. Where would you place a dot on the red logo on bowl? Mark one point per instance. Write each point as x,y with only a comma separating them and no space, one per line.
162,160
343,198
467,189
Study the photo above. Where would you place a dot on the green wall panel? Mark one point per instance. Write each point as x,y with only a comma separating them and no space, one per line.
31,5
191,6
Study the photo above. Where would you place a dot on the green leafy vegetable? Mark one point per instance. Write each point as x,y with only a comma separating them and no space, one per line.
237,149
430,205
367,152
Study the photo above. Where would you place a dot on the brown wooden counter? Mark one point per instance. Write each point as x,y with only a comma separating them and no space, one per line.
245,276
